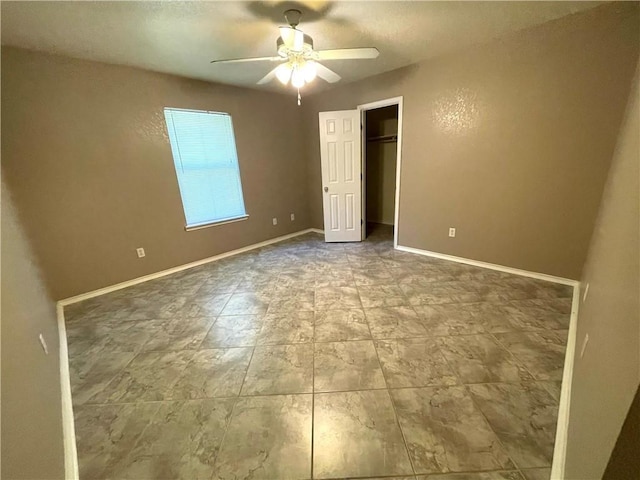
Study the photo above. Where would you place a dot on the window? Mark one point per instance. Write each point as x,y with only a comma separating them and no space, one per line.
206,161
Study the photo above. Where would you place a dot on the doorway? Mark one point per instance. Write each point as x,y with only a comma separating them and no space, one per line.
381,128
345,183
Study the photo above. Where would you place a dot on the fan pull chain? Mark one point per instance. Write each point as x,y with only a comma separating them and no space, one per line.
299,98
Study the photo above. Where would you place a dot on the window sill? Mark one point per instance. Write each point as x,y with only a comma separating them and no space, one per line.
200,226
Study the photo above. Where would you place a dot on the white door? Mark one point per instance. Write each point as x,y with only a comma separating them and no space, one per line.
341,175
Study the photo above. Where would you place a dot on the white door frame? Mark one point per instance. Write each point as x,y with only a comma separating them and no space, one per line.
363,110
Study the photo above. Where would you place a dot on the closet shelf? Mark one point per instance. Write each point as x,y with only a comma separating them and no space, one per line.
383,138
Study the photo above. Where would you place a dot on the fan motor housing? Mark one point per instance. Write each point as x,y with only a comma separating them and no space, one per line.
283,51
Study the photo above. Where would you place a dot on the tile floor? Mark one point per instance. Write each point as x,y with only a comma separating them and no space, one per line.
310,360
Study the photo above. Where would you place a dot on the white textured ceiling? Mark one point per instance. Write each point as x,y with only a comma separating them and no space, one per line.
182,37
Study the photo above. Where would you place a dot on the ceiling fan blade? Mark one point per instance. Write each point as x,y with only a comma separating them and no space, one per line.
292,38
327,74
268,77
348,53
251,59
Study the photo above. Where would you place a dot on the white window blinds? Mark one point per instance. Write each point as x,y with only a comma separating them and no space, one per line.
206,162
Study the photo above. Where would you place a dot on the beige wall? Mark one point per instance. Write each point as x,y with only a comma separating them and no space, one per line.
32,445
605,379
508,142
85,149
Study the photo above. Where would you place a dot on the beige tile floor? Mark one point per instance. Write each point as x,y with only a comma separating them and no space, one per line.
311,360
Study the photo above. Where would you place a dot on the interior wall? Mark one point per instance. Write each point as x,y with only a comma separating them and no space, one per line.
32,442
509,142
380,165
625,461
86,152
606,378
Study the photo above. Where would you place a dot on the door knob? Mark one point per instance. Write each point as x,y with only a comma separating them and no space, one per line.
326,189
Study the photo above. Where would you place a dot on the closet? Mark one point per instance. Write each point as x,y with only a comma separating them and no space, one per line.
380,161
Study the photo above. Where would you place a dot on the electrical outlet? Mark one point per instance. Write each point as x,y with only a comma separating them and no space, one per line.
140,252
586,292
293,217
584,345
275,221
44,344
452,232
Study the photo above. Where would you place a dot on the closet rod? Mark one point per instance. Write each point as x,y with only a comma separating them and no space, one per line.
383,138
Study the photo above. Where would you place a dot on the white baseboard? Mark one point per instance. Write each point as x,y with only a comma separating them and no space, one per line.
179,268
491,266
317,230
562,427
68,426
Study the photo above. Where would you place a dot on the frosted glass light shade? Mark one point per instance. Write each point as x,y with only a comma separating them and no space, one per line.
297,77
309,70
283,73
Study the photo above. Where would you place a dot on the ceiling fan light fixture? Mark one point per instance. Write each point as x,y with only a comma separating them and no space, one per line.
297,77
283,73
298,62
309,70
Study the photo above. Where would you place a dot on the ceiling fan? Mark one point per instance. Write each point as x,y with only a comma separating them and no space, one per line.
299,63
